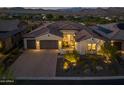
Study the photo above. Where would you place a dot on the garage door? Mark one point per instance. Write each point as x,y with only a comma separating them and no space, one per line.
31,44
49,44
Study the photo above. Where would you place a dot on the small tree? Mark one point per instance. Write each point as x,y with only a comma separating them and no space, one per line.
109,51
59,17
72,57
49,17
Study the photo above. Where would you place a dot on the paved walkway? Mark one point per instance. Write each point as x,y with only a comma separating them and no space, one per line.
33,63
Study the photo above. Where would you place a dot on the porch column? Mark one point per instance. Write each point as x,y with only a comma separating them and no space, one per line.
37,44
60,44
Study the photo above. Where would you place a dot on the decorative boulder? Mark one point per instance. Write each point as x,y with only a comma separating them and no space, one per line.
98,68
87,71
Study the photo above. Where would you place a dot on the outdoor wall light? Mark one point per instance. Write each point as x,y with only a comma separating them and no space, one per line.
0,44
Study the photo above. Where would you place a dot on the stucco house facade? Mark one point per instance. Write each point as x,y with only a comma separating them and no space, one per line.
11,34
68,36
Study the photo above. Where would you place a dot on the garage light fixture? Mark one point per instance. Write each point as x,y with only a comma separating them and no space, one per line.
112,43
37,44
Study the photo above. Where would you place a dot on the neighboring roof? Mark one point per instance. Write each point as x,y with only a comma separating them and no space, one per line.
120,26
119,35
7,34
9,25
66,25
113,31
9,28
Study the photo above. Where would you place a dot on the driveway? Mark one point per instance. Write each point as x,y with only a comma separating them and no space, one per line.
35,63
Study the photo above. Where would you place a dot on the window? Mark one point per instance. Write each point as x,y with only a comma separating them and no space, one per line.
91,47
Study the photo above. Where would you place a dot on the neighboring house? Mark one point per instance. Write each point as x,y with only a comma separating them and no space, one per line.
11,32
114,32
66,36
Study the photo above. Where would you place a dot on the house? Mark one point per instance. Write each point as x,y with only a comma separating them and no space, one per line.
114,32
68,36
11,32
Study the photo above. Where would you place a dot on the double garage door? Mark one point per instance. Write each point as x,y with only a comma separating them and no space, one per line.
44,44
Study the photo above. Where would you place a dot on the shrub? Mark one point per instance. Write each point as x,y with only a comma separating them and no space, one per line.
71,57
16,51
110,52
1,71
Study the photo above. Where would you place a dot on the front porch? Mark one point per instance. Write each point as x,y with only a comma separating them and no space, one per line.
68,43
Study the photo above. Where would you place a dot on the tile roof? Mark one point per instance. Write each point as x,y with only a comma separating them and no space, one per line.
54,28
68,25
82,35
118,36
42,31
9,25
8,28
116,33
88,33
105,32
38,32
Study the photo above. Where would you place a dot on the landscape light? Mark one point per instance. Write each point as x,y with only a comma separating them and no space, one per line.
65,66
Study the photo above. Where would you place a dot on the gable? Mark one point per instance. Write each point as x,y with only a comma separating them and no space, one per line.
49,36
92,40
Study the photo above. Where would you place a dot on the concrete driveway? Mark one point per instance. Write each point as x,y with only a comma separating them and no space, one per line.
35,63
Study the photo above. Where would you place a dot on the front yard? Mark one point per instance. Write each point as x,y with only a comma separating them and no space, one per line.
6,61
88,65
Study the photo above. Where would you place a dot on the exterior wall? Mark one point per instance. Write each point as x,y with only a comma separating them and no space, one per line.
43,37
48,37
82,46
68,31
25,42
60,44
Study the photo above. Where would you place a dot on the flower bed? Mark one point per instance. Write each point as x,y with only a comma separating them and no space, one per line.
88,65
11,57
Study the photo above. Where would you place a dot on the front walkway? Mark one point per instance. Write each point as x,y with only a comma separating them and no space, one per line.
33,63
